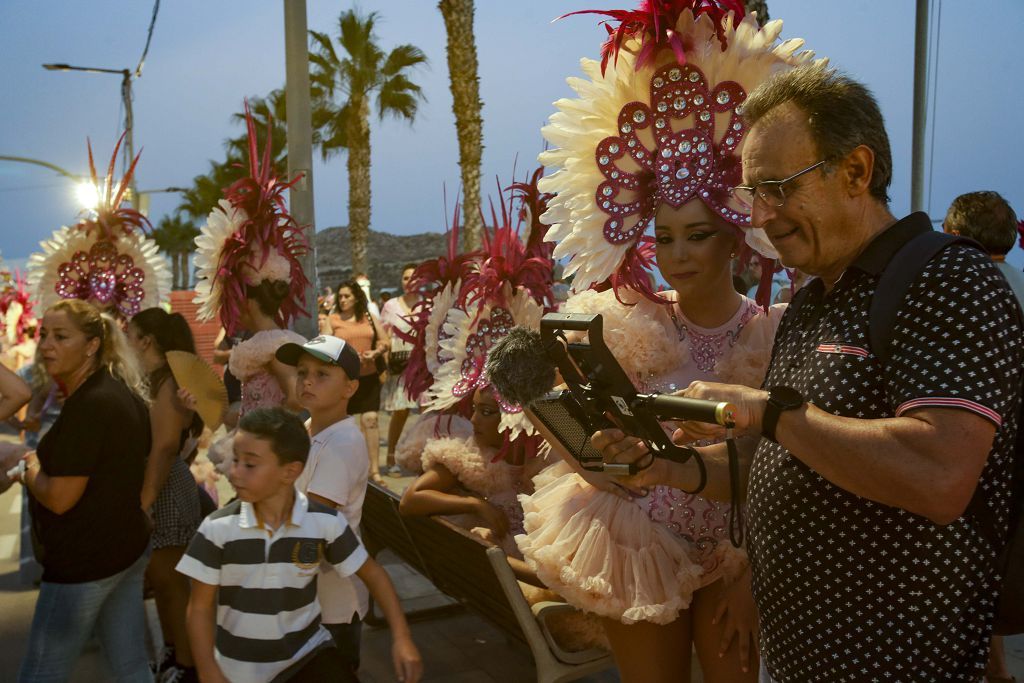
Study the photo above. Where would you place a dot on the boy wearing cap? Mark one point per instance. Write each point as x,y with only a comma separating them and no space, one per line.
336,469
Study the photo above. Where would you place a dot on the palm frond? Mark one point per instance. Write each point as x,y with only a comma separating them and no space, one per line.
399,97
403,57
336,131
356,31
325,48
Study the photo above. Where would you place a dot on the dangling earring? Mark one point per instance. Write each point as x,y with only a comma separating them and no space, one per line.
732,255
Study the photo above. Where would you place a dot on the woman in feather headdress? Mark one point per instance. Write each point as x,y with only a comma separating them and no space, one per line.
250,276
475,478
484,295
653,136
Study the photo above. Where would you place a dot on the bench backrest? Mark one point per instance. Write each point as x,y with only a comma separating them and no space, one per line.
453,559
458,565
383,527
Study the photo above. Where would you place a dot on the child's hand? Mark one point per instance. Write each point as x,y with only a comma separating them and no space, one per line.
494,518
407,660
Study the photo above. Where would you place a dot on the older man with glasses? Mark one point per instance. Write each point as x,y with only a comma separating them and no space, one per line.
878,496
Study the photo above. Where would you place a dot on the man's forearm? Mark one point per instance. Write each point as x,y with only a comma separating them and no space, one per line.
904,461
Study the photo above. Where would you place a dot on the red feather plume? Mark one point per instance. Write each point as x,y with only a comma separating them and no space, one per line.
653,23
430,277
111,217
268,227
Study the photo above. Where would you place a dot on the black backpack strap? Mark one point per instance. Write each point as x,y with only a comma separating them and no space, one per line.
901,272
903,269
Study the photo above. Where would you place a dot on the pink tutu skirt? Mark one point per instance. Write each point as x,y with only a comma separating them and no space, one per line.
602,553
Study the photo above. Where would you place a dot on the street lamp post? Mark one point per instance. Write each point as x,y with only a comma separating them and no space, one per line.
126,96
300,147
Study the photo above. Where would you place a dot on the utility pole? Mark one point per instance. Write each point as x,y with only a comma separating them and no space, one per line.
299,122
920,106
129,119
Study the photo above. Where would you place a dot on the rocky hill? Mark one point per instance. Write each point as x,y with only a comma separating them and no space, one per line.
386,254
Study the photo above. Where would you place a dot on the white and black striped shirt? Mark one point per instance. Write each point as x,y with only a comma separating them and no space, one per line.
268,617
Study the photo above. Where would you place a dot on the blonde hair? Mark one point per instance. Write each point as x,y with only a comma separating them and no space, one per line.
37,377
114,354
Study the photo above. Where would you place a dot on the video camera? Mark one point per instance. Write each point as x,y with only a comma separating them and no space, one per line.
600,395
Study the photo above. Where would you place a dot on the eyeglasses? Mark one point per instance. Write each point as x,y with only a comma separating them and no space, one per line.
770,191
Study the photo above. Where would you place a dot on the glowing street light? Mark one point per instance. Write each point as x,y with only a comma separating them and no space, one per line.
87,195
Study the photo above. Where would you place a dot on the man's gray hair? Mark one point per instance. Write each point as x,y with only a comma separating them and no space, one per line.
841,114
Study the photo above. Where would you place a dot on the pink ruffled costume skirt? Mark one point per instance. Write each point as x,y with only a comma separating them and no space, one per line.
633,561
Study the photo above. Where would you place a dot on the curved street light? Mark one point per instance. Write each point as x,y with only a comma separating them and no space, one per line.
126,96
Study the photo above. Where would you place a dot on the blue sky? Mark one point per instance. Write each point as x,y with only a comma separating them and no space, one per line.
207,56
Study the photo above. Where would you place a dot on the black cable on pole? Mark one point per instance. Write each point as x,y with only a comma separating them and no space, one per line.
149,37
935,99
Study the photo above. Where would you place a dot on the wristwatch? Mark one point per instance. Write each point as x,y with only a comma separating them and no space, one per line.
780,398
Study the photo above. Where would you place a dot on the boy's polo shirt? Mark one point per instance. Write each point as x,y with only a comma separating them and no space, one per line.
268,616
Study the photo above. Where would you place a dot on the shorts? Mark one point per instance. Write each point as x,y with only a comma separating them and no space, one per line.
176,510
367,396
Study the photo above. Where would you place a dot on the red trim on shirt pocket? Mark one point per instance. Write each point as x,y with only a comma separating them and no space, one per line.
946,402
844,349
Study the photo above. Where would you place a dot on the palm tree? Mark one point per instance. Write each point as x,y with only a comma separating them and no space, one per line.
175,237
759,6
466,105
163,235
342,87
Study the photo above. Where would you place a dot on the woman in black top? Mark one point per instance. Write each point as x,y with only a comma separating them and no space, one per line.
84,483
169,492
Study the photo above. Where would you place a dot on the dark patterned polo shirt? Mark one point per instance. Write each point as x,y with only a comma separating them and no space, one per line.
853,590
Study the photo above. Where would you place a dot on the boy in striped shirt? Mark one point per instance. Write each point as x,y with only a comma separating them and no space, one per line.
253,613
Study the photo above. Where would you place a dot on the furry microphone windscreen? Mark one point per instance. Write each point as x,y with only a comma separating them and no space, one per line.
518,367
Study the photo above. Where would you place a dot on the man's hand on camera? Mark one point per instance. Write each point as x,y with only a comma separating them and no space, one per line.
749,407
621,449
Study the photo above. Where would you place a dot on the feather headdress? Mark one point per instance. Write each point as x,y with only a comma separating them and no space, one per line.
658,123
16,307
106,258
506,283
250,238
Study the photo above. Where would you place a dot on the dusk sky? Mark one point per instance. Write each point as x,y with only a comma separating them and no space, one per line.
206,56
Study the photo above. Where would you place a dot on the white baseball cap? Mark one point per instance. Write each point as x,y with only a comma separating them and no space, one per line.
326,348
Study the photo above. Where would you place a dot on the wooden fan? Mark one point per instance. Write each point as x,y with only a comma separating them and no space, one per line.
193,374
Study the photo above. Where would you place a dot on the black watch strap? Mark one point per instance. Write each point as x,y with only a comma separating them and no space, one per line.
780,399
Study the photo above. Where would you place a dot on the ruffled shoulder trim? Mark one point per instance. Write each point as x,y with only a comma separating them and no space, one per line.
472,468
431,426
252,355
633,331
748,360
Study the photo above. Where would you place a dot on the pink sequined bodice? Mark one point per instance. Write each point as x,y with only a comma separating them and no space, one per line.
701,521
261,391
507,500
